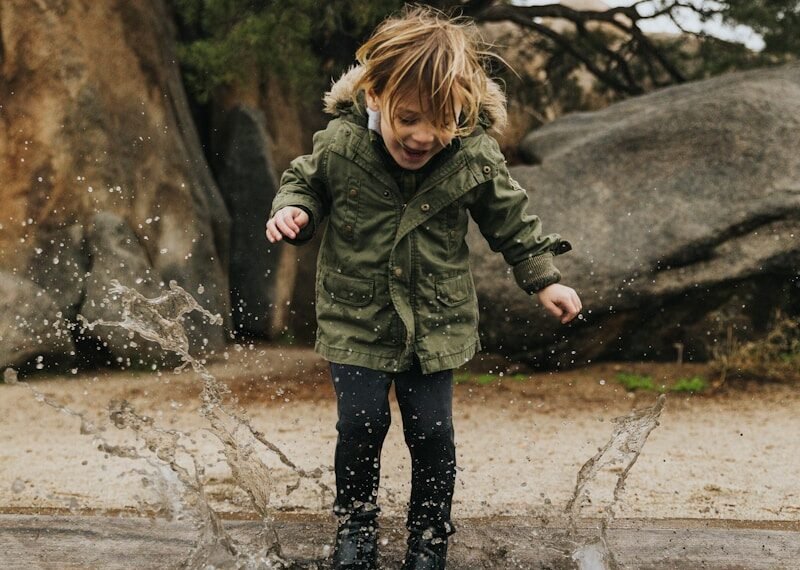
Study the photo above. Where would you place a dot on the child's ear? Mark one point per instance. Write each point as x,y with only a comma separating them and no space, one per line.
373,101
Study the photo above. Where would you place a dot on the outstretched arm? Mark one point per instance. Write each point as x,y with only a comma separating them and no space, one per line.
303,198
500,210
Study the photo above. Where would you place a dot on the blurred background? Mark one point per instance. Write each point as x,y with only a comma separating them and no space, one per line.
142,142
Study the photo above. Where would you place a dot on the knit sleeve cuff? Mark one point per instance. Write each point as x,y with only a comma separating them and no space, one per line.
536,273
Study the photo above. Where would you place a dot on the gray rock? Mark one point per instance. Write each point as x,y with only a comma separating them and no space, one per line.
246,177
59,265
683,208
32,329
86,135
117,255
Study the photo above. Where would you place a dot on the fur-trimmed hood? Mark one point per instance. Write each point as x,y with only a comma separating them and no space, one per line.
340,99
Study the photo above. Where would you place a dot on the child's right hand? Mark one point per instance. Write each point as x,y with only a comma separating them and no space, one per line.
287,222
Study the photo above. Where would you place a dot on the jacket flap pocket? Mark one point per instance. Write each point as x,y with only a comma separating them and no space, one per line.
348,290
453,290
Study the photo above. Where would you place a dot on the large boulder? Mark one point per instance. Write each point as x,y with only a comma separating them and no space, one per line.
32,329
683,207
96,124
248,182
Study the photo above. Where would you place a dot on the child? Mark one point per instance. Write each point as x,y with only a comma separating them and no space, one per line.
397,172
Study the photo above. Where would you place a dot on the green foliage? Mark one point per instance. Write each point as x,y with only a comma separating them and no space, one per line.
693,384
777,21
480,379
461,377
789,357
306,42
303,42
633,382
774,357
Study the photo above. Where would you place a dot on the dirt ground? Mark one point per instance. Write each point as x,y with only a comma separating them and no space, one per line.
732,454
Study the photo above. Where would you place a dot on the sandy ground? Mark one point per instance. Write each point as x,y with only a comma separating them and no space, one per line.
733,454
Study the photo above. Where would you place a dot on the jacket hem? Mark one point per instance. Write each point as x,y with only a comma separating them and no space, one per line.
386,361
397,361
437,363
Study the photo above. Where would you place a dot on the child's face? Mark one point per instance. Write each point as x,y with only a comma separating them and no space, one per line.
413,139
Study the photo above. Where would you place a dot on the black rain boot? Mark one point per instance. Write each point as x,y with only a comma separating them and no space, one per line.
426,551
356,544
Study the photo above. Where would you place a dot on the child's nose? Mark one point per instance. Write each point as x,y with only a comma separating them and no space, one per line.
424,135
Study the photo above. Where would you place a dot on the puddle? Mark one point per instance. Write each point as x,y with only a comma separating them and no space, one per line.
179,476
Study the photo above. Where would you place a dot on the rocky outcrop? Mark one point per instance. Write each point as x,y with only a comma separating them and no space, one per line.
103,173
683,207
248,183
32,329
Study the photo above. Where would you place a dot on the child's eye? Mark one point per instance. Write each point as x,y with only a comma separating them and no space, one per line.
407,120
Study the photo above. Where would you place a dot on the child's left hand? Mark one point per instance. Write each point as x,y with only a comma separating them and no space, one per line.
562,302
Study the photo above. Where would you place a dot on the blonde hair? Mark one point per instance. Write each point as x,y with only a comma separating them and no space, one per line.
424,52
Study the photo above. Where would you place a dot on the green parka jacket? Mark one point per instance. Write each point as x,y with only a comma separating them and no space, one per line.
393,276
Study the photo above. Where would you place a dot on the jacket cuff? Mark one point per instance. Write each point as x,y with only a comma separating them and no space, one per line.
288,198
306,232
536,273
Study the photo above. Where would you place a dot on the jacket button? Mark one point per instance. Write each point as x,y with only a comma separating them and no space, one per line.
487,169
398,271
348,229
386,193
425,207
353,192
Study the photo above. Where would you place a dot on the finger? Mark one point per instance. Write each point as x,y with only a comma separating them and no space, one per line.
552,308
288,217
283,228
273,234
570,310
577,301
285,218
276,235
300,218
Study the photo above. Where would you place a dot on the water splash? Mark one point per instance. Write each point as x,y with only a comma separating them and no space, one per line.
181,475
160,320
618,455
169,507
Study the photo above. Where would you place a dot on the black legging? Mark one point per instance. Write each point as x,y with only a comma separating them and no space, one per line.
426,404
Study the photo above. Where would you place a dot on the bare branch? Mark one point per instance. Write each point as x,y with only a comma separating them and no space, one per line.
618,74
499,13
609,53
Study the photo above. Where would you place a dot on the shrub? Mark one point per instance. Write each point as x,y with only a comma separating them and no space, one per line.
775,357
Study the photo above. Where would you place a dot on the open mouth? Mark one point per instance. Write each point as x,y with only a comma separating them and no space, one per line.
414,154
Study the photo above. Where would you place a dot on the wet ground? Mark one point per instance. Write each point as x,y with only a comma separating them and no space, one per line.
67,542
714,487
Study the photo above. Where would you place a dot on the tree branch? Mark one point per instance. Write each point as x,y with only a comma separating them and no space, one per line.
623,18
500,13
